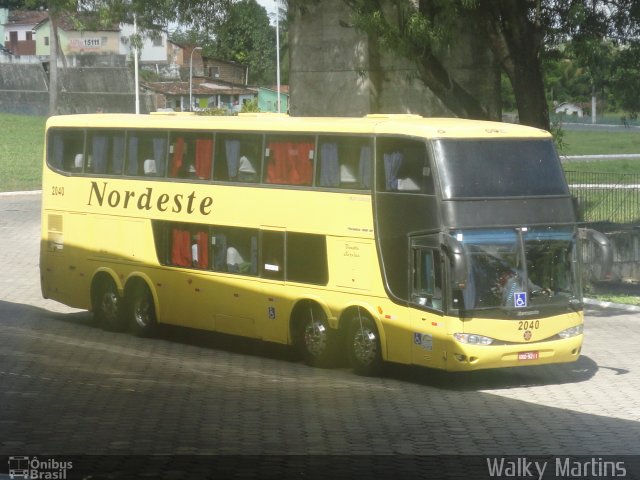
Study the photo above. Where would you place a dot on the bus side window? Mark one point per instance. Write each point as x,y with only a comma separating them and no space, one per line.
190,156
307,258
235,250
66,150
272,255
180,246
105,152
344,162
289,160
427,278
238,158
200,248
404,167
188,245
146,153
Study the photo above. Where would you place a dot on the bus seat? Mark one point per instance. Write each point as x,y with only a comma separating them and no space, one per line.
408,185
347,175
246,170
149,166
78,161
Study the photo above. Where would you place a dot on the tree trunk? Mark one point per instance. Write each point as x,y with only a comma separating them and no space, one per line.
528,87
515,37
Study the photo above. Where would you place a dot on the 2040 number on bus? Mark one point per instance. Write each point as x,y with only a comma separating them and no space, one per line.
528,324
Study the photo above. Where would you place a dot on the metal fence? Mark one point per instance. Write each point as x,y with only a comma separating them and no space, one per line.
606,197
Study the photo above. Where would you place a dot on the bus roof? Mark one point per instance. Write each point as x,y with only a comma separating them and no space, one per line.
400,124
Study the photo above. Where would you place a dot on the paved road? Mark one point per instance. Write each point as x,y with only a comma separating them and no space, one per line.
69,388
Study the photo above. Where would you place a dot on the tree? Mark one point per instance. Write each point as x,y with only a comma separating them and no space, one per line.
519,33
625,79
245,36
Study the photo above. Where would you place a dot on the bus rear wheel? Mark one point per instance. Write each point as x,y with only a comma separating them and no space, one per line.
316,341
141,311
107,305
363,346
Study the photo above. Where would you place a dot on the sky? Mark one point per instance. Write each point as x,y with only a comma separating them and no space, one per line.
270,5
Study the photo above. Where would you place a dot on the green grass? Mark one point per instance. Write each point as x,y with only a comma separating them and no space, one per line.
621,166
588,142
617,298
21,152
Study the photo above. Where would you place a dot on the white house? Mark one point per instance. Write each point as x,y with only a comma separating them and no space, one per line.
158,53
569,108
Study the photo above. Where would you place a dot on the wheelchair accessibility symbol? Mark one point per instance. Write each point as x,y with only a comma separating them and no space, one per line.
520,299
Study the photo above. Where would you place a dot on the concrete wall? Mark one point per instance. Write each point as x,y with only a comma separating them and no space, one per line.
626,255
336,70
24,90
328,65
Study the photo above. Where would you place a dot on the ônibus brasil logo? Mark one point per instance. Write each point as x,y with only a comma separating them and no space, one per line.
33,469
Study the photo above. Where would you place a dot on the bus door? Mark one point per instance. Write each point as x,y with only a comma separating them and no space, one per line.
428,326
272,307
187,293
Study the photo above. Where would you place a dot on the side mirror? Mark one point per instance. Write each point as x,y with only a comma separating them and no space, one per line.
605,257
458,260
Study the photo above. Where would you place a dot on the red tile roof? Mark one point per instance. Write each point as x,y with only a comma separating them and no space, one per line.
26,17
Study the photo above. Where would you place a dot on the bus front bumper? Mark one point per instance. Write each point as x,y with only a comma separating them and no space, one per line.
461,357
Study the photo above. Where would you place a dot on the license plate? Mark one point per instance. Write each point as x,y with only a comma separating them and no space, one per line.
528,355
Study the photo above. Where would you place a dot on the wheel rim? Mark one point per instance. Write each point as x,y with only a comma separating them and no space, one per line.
142,312
365,345
315,338
109,306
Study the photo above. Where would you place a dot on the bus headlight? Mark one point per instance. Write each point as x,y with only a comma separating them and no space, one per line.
473,339
571,332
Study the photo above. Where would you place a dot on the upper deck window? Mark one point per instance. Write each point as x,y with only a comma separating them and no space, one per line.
146,153
499,168
66,150
344,162
190,155
105,152
238,157
403,166
289,160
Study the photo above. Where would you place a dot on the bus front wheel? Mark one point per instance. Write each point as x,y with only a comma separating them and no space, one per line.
363,346
107,305
142,312
316,341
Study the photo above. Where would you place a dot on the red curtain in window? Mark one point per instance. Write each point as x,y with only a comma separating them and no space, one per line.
176,160
290,163
204,152
181,248
277,167
203,250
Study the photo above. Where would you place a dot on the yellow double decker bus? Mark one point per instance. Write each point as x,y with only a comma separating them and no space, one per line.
446,243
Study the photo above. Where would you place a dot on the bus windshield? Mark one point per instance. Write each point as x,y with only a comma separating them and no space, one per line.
498,168
518,268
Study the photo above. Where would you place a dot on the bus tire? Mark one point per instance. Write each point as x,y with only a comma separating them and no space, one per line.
363,346
107,305
315,339
141,311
